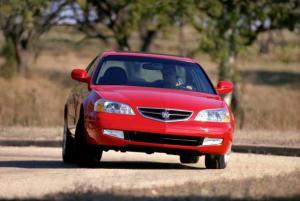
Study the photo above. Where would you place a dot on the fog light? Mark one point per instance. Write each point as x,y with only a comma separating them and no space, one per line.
114,133
212,141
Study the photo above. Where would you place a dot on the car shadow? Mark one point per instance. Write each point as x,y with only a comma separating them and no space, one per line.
144,165
47,164
35,164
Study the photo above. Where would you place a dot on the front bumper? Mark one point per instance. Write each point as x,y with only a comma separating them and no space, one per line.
143,134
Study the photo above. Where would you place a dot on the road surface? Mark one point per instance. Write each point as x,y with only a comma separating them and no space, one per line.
38,171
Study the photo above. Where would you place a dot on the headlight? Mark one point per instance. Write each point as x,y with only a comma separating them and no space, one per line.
214,115
112,107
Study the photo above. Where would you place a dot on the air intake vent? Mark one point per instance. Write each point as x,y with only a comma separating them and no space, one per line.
166,115
163,138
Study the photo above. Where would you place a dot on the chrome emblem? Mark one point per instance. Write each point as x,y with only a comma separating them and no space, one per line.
165,114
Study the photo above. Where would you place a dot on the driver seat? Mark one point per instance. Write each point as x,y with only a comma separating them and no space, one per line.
114,76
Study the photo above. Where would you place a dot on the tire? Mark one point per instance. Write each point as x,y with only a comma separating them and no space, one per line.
86,155
216,161
189,158
68,152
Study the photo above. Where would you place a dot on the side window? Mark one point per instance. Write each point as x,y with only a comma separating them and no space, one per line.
91,67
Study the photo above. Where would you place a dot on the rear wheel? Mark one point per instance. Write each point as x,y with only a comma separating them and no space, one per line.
86,154
213,161
189,158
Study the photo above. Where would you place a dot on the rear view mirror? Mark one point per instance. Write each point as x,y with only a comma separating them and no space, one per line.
80,75
152,66
224,87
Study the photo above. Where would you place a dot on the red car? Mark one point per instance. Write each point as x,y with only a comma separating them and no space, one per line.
147,103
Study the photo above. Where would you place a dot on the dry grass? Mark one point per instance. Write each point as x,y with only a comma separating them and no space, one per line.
268,137
29,133
269,107
30,102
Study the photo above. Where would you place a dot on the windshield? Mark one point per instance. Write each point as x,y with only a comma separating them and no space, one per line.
152,72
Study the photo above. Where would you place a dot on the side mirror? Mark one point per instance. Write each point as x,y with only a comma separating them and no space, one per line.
80,75
224,87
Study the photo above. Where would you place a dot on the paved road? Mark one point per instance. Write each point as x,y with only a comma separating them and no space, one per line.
36,171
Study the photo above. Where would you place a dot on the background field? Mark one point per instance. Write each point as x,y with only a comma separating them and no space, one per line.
270,83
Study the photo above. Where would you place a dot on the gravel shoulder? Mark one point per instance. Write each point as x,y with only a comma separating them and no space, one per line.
282,187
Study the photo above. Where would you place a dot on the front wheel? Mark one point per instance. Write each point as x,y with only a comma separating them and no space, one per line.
213,161
86,154
68,152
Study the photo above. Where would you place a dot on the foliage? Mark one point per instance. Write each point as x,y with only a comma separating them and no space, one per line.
118,19
22,22
227,26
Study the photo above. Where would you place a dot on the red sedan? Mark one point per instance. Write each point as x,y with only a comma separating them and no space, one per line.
147,103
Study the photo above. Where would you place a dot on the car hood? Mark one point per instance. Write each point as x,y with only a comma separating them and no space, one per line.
160,98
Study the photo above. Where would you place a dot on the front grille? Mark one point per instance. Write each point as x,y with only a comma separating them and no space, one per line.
166,115
163,139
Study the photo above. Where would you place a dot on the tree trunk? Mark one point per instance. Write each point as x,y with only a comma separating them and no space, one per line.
182,48
265,44
17,55
228,71
122,43
11,56
225,74
24,57
147,39
224,69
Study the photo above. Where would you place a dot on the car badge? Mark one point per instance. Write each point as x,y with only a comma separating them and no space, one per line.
165,115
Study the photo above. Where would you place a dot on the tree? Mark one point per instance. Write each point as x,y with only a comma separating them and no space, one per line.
119,19
22,23
228,26
156,15
112,19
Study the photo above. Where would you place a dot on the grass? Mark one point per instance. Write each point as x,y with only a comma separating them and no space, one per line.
31,102
283,187
29,133
267,137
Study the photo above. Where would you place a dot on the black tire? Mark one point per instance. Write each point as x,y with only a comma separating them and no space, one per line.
86,155
215,161
189,158
68,152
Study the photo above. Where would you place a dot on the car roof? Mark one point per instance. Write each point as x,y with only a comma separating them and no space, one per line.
149,55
